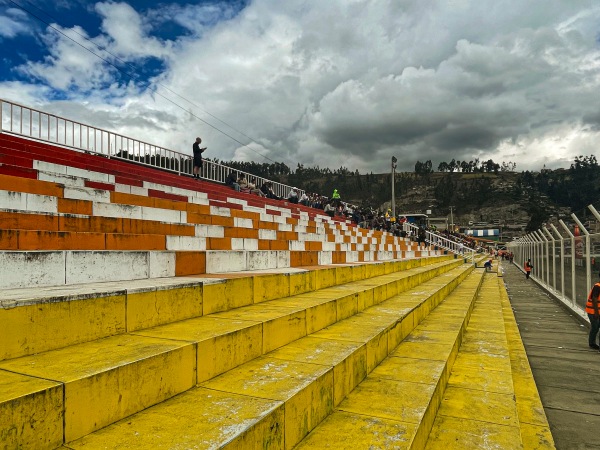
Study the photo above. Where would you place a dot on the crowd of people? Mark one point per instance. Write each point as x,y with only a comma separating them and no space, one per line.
365,217
333,206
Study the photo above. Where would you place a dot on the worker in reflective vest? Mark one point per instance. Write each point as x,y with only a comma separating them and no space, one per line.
591,308
528,268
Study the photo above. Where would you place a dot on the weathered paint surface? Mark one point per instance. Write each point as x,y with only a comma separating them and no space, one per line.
200,418
162,305
479,409
109,379
347,431
222,295
306,390
48,325
222,344
348,360
397,402
344,361
23,269
31,412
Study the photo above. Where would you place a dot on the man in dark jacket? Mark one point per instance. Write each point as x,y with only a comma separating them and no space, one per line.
197,157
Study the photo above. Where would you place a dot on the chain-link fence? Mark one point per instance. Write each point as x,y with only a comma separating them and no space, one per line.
565,259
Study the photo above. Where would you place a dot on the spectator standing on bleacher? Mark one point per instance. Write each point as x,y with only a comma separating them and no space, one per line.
197,157
335,197
421,237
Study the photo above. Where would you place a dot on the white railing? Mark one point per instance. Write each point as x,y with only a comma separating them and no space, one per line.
565,259
42,126
441,242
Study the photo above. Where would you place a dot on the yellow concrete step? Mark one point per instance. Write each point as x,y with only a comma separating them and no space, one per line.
230,338
42,319
492,400
394,407
118,375
309,376
478,409
113,371
535,430
20,395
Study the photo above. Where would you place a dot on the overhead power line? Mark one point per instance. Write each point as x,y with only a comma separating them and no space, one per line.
143,84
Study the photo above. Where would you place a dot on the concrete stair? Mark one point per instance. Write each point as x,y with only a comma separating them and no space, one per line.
460,380
37,160
76,225
286,388
491,400
143,309
94,347
395,406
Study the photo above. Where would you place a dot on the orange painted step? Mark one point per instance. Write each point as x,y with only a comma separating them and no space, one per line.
30,240
95,224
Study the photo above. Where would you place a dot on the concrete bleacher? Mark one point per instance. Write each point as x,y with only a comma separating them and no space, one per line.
148,228
144,309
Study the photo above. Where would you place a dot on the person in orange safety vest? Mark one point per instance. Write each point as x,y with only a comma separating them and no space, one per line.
528,268
591,308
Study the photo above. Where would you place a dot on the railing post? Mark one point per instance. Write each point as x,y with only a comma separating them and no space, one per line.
544,256
562,259
588,271
553,257
566,228
536,252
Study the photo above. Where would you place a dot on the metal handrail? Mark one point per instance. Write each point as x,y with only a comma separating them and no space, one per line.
442,242
39,125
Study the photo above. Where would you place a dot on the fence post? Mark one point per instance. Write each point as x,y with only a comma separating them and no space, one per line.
588,271
545,258
562,259
553,258
566,228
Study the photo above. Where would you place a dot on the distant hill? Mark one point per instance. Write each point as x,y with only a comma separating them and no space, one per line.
519,201
485,192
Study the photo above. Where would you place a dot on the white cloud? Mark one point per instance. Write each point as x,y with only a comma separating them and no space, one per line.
13,24
366,80
127,33
68,65
352,82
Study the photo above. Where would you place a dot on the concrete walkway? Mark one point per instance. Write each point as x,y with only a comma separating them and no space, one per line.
566,371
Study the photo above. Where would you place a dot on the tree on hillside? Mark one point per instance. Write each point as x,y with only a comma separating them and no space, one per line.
444,191
452,165
423,168
490,166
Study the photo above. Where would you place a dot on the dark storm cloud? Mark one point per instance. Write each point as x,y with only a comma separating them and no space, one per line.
352,83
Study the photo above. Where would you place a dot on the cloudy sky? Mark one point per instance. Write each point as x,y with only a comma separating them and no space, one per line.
319,82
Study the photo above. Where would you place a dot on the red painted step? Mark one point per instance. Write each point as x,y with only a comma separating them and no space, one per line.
24,151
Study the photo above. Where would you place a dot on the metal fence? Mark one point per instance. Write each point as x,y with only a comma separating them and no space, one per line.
43,126
565,259
441,242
